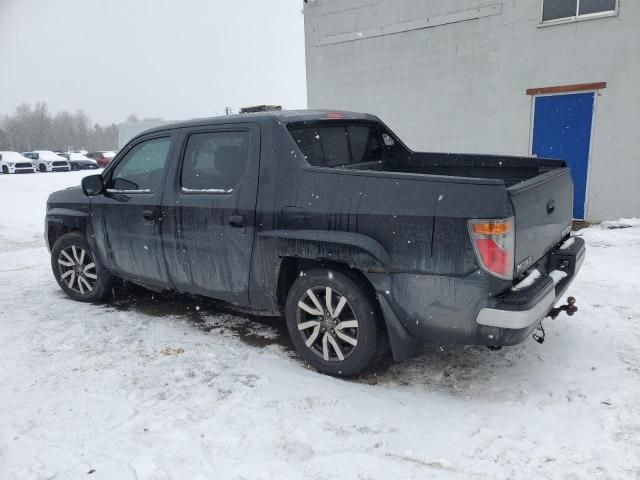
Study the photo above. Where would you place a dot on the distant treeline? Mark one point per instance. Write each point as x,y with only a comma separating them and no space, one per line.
34,128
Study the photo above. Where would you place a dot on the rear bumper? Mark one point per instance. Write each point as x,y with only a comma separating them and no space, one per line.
463,310
524,309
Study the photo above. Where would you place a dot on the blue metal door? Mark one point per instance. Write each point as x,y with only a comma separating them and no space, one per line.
562,130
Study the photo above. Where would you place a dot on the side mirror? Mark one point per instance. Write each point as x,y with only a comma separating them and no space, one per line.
93,185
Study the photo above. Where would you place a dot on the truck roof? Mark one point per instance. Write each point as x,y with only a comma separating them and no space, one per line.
284,116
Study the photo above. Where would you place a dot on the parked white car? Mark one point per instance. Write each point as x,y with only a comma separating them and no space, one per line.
48,161
13,162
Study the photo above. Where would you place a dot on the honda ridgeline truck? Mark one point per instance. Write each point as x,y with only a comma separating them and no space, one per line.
329,220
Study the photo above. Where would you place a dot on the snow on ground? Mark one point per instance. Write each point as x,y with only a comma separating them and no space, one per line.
162,387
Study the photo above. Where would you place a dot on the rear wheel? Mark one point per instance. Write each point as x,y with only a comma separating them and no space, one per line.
77,270
333,322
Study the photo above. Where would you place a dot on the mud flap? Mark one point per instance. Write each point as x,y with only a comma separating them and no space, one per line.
402,344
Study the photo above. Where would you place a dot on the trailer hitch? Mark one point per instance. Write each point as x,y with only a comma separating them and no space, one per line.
570,308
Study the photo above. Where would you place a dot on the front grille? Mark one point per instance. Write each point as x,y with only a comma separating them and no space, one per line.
60,169
24,165
59,164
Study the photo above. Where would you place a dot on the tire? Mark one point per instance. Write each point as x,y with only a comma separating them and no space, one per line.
316,337
80,275
42,168
5,169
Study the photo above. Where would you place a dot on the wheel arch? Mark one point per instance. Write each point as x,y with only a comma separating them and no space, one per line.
297,250
60,221
292,267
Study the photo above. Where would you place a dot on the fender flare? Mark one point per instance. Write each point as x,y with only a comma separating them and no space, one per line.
64,217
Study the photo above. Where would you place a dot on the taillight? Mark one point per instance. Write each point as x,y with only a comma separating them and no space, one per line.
494,245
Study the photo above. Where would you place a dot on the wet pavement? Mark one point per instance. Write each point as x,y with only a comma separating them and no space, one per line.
203,313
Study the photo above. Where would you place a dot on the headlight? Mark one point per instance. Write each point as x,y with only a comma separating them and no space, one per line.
12,164
48,162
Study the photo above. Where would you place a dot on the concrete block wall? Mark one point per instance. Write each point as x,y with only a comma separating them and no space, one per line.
462,86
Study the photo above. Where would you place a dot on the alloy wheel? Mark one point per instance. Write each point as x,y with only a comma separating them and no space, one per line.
77,269
327,323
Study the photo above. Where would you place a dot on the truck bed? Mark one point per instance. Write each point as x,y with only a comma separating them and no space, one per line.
539,190
512,170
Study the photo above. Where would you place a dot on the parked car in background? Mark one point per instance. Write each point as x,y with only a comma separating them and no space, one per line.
328,219
13,162
48,161
103,157
79,161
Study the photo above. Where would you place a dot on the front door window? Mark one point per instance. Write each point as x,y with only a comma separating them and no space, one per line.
141,169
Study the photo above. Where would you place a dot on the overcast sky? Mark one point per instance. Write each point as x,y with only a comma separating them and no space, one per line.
174,59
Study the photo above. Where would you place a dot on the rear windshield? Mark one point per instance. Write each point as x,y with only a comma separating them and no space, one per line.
338,145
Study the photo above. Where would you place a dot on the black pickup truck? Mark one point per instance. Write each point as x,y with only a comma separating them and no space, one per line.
328,219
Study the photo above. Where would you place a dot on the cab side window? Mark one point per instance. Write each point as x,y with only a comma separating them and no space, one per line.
365,144
215,161
141,169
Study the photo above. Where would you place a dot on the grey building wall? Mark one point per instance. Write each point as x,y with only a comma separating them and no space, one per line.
456,80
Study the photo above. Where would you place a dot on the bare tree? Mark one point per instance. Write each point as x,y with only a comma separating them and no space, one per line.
36,129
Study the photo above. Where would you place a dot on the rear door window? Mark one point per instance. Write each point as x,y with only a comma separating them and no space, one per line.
215,161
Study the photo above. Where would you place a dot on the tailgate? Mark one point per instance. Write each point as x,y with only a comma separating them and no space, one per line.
543,211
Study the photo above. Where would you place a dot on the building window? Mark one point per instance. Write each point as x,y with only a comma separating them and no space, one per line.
570,10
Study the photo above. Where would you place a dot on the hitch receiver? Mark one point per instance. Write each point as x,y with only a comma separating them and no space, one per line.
570,308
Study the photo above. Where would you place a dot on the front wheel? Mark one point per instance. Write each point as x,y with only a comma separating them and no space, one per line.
333,322
77,271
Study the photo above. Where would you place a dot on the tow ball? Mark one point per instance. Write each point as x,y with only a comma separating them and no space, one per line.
570,308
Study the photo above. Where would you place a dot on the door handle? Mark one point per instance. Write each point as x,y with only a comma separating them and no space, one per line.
236,221
149,214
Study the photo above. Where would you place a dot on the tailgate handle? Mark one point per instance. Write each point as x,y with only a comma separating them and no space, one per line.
236,221
551,206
